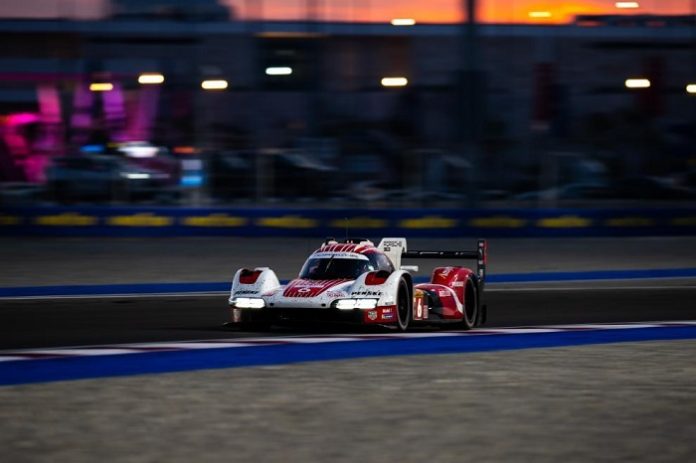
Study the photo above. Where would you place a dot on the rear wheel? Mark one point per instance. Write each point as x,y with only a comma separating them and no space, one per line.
470,307
404,306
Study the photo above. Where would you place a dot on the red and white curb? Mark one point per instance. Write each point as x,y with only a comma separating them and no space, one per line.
142,348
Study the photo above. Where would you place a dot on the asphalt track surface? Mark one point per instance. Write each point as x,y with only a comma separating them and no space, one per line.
626,401
75,322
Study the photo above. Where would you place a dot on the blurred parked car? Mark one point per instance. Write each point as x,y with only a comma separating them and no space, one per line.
629,189
106,177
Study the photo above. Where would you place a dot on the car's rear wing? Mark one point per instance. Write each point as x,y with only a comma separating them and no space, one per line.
480,255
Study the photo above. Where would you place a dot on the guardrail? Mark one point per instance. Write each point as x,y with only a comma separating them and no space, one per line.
157,221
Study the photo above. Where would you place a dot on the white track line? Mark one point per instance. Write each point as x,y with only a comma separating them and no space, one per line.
136,348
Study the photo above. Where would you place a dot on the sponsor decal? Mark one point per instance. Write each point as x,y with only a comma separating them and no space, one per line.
458,284
309,288
308,283
372,315
338,255
245,291
444,293
366,293
334,294
387,316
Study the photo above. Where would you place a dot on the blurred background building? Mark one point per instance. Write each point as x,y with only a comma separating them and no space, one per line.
179,101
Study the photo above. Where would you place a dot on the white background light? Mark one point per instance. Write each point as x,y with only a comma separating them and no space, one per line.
279,71
403,22
627,5
150,78
394,82
214,84
637,83
101,87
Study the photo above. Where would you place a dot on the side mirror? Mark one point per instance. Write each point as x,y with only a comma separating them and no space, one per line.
410,268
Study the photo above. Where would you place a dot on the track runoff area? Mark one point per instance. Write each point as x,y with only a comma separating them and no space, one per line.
156,330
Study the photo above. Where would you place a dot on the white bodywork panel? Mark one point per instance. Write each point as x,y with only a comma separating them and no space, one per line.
268,287
266,282
393,248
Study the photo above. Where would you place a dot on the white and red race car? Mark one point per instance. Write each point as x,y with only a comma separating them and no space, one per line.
354,281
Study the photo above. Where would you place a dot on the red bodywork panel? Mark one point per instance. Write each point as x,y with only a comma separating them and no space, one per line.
452,277
448,284
376,278
249,277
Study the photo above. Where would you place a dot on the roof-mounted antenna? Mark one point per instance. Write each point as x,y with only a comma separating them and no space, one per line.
346,226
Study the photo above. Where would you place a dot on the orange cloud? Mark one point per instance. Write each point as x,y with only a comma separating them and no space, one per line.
447,11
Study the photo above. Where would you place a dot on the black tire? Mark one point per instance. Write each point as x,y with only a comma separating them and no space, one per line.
404,306
471,309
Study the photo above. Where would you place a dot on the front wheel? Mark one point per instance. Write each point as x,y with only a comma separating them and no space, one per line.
404,306
471,312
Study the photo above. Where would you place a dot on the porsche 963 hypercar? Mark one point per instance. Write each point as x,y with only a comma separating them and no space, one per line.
356,281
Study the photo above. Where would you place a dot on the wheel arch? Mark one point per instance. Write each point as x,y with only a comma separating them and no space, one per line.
409,284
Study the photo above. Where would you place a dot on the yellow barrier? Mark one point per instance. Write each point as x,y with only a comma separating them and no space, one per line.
67,219
140,220
215,220
287,221
630,222
430,221
9,220
358,222
498,221
564,221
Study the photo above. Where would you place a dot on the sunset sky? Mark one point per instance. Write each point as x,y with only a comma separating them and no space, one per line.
370,10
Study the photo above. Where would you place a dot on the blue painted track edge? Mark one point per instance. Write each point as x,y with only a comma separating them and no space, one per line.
48,370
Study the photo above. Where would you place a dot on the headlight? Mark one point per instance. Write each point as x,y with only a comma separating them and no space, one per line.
249,303
350,304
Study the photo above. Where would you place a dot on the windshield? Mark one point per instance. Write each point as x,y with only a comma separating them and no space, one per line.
331,268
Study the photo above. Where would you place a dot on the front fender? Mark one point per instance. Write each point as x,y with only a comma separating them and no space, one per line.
265,282
386,292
